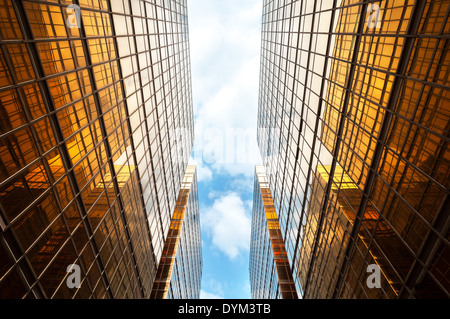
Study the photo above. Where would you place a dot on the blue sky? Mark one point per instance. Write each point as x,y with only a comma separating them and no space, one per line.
225,40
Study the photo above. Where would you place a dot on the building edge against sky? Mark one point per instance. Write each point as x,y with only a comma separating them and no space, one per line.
270,273
180,270
95,137
353,129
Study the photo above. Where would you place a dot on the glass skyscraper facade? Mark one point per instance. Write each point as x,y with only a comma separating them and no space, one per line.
270,273
353,129
96,129
180,269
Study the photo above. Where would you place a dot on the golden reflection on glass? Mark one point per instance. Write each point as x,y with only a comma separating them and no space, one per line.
384,123
42,204
283,269
161,285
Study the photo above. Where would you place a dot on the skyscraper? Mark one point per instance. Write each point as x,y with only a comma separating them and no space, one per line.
96,129
353,128
180,269
270,273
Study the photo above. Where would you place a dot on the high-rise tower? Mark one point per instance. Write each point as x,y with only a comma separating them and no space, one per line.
353,128
180,269
96,129
270,273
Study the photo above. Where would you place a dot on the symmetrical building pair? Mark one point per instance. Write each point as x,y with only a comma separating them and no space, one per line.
353,127
96,129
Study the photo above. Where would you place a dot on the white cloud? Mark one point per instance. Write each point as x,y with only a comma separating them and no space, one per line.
204,173
233,149
224,36
209,295
228,224
225,54
232,103
235,169
213,286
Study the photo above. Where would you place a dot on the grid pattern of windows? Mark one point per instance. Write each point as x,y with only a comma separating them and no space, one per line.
263,277
187,267
270,274
353,128
180,268
96,128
